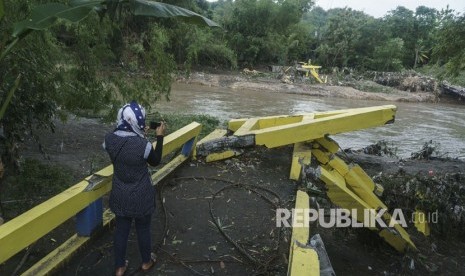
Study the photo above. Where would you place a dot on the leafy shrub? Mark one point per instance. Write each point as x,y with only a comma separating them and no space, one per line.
35,183
207,49
177,121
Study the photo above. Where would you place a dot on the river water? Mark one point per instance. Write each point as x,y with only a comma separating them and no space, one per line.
416,123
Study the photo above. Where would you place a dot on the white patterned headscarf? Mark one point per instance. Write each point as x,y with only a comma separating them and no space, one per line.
131,117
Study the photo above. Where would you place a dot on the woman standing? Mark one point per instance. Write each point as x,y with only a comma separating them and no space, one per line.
132,197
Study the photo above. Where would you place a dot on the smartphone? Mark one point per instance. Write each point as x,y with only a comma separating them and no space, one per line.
154,125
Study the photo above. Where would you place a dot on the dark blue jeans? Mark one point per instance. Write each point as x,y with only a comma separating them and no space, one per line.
123,227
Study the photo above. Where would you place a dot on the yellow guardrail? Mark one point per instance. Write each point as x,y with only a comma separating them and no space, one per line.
22,231
276,131
303,261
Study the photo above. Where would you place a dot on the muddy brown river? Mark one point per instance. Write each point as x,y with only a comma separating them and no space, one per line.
416,123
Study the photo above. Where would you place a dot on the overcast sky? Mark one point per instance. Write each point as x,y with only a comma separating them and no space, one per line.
379,8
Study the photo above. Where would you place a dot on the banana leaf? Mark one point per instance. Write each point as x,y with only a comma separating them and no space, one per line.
43,16
2,9
158,9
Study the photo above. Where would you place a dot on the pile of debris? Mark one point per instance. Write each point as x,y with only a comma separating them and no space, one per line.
453,90
410,81
441,197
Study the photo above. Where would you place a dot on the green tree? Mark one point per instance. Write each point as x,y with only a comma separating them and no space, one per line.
316,20
417,30
372,35
426,23
265,40
339,40
71,67
204,48
449,49
388,56
401,23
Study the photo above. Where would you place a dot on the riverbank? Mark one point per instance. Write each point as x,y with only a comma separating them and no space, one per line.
268,83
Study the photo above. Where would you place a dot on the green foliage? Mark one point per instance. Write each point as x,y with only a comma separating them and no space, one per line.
34,104
450,48
348,38
343,30
372,35
268,39
441,72
299,42
61,67
205,49
43,16
2,9
400,23
158,9
387,57
177,121
35,183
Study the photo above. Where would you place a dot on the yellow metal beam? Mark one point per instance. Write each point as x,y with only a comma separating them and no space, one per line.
342,196
353,119
301,234
329,144
168,168
339,165
315,75
270,121
57,257
178,138
64,252
249,125
301,156
359,172
279,121
365,178
364,190
421,222
16,234
303,261
217,156
400,239
282,120
217,133
235,124
322,156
